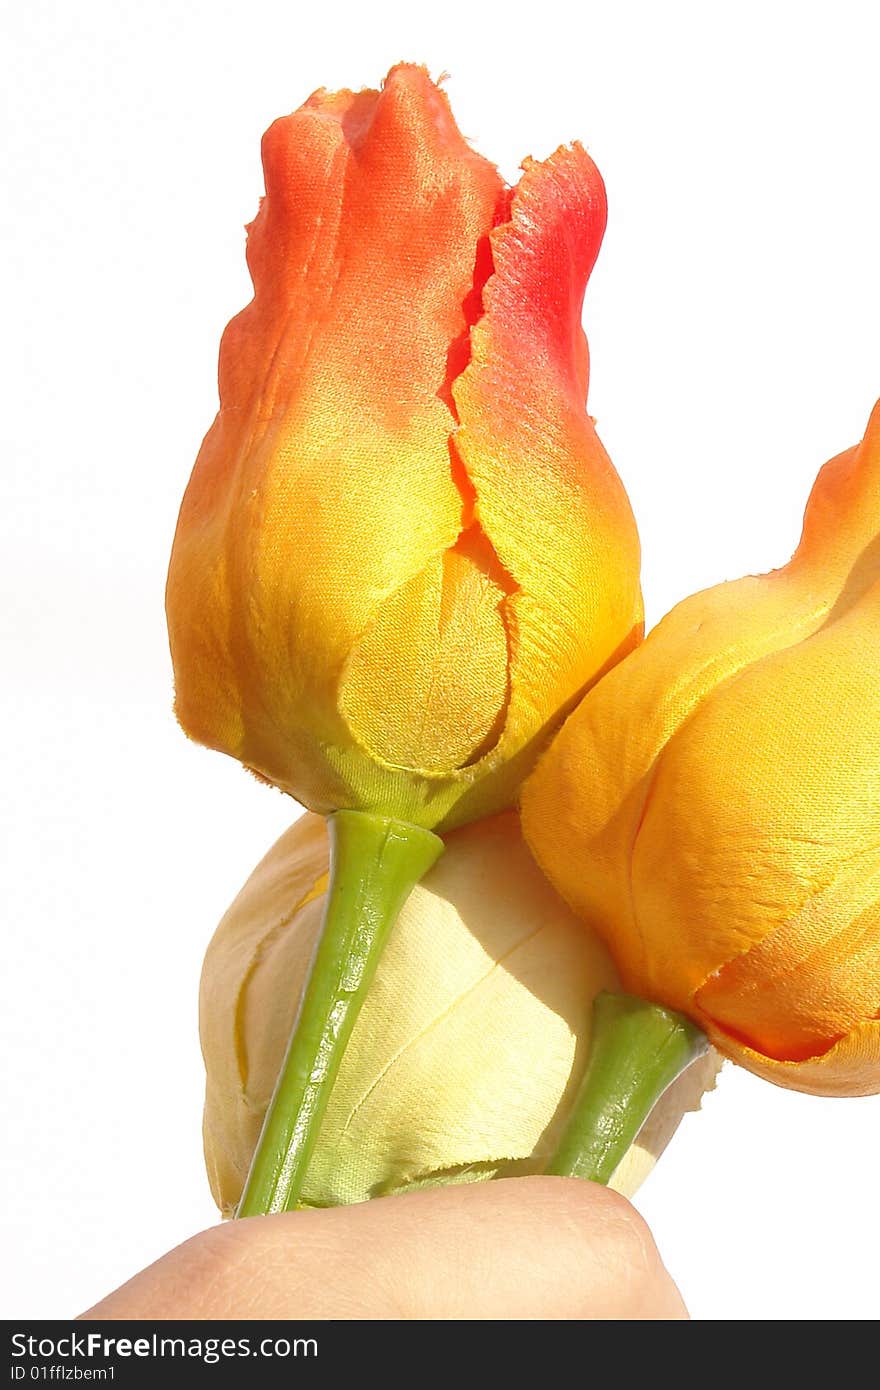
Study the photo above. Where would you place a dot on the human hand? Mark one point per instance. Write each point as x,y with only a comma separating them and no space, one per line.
520,1248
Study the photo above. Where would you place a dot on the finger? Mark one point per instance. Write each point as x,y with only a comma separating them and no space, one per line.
526,1248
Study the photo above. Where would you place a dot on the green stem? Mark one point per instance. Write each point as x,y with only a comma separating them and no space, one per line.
637,1049
374,864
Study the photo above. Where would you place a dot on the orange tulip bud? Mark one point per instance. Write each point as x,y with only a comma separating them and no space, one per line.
713,806
403,552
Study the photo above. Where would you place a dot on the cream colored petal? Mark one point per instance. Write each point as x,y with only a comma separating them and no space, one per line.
464,1057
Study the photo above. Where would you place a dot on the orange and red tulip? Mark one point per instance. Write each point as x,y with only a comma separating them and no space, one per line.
403,553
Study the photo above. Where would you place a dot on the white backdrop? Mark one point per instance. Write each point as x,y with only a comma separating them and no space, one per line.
734,321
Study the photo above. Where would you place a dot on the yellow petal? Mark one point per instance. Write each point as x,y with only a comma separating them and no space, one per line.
435,701
768,801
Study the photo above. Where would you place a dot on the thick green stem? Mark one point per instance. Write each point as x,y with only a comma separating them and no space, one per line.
374,864
637,1049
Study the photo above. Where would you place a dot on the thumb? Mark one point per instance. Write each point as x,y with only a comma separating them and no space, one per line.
537,1248
521,1248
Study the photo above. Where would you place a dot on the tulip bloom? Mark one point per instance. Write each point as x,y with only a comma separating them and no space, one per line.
403,553
463,1059
712,808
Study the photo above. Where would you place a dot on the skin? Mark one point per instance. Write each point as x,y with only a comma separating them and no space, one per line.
524,1248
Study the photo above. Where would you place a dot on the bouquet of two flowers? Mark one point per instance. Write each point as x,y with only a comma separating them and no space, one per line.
405,590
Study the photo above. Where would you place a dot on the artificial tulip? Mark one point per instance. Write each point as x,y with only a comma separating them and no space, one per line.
462,1062
403,553
712,808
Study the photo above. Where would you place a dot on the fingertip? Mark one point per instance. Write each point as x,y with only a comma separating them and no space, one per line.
605,1244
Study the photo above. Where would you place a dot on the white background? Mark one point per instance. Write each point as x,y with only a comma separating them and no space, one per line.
734,321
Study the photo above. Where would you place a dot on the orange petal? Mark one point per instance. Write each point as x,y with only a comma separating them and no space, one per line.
840,544
811,980
546,494
325,483
850,1068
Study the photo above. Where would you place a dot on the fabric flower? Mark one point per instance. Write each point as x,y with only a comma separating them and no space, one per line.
403,553
712,808
467,1052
